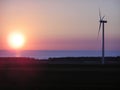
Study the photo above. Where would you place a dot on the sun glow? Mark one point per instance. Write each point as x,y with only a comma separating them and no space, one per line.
16,40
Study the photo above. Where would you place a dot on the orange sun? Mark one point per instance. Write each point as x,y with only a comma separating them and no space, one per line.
16,40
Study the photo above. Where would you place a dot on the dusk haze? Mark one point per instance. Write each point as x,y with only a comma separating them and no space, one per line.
60,24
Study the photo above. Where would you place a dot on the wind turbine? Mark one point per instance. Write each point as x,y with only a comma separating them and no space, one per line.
102,22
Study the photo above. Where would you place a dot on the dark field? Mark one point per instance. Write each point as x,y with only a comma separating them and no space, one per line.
59,73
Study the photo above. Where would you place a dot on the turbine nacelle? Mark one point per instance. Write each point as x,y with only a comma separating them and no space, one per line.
103,21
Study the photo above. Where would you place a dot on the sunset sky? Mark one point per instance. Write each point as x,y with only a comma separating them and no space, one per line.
60,24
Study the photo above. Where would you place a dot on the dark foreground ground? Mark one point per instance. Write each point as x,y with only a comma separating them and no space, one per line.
59,73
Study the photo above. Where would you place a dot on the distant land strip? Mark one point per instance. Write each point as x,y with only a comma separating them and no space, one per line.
63,60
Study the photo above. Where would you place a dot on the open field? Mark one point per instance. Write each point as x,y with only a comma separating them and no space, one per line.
56,73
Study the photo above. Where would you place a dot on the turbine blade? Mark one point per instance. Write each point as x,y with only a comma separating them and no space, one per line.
99,14
99,30
102,17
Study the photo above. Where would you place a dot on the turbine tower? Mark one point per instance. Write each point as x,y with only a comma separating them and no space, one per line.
102,22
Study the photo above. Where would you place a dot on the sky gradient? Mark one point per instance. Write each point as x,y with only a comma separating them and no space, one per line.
60,24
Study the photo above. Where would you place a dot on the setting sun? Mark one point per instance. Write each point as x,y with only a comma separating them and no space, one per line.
16,40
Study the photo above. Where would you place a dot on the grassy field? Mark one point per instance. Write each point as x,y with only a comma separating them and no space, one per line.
59,73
